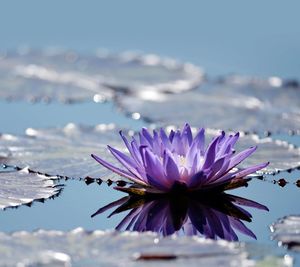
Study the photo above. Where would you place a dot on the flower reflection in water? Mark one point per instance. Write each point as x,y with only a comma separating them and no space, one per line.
218,216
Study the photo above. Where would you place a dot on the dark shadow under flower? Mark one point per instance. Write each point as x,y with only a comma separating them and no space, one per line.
216,216
160,163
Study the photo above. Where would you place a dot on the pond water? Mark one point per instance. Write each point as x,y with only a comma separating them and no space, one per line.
78,200
259,38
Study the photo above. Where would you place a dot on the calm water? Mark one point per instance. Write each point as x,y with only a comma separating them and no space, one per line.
79,201
257,38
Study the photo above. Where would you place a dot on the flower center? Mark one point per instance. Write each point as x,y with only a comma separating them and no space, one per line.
182,161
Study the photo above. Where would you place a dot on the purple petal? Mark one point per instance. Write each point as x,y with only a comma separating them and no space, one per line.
222,171
239,173
131,149
195,151
164,138
200,140
191,155
126,161
156,147
154,170
197,217
121,172
177,145
228,142
189,229
237,224
238,158
136,152
111,205
216,167
171,135
187,137
197,180
132,221
128,219
251,169
147,136
169,228
210,154
219,168
195,166
234,139
125,141
171,169
248,203
230,235
158,211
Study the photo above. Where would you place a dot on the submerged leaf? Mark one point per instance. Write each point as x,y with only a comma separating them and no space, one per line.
68,76
24,187
98,248
239,106
287,232
66,151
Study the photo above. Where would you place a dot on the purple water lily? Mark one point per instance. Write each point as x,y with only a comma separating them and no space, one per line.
162,163
218,216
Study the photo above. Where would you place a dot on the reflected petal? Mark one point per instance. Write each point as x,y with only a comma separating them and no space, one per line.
216,216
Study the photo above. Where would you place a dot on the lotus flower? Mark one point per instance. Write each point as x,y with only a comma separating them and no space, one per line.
162,163
212,216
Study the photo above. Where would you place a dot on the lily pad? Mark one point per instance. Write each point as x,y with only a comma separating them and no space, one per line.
66,151
240,106
98,248
60,151
24,187
287,232
69,76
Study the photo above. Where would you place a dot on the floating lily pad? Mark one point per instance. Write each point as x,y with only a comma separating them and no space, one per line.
98,248
63,151
24,187
287,232
244,107
68,76
66,151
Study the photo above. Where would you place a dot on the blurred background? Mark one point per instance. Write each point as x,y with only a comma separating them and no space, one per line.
259,38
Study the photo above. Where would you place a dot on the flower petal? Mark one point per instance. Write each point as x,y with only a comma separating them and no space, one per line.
164,139
200,140
147,136
157,144
154,170
119,171
187,137
210,153
126,161
238,158
133,152
197,180
237,224
170,167
111,205
177,145
247,202
240,173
